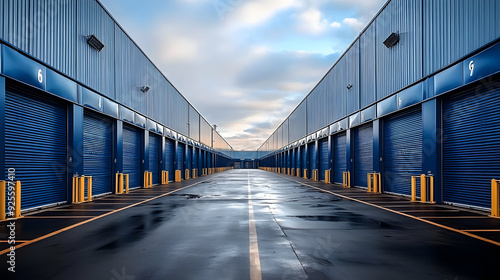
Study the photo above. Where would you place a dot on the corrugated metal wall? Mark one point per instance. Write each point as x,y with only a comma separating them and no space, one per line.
95,69
454,28
206,132
367,48
194,124
55,32
400,65
297,123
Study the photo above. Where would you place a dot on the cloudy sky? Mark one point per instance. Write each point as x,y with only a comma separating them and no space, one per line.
244,64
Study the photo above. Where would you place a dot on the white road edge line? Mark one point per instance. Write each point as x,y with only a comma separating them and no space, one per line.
255,270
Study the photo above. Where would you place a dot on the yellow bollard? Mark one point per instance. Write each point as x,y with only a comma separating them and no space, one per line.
81,189
369,181
495,203
305,173
413,188
327,176
432,189
17,191
120,185
186,174
75,189
346,180
89,188
126,183
2,200
194,173
376,182
150,180
423,188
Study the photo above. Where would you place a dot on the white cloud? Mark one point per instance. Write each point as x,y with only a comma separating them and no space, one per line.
335,24
312,21
179,49
256,12
354,23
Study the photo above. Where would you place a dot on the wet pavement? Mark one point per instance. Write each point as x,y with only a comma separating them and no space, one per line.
202,232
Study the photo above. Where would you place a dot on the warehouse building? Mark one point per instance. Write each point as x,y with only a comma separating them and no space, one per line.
79,97
415,93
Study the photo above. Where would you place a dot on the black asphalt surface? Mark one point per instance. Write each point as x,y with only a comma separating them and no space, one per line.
202,232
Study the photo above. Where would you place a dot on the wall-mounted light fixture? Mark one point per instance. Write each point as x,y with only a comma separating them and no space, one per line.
144,89
392,40
95,43
349,86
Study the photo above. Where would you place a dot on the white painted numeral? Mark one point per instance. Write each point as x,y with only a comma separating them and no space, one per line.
471,67
40,76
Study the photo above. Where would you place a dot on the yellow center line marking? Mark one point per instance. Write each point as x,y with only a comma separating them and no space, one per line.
255,269
95,218
482,230
424,210
78,209
456,217
400,213
57,217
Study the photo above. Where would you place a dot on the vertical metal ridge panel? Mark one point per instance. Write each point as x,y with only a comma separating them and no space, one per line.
178,111
96,69
400,65
132,159
363,153
131,73
454,28
368,94
286,132
297,123
52,33
154,157
35,146
471,129
280,136
402,150
15,19
339,154
206,132
352,69
337,98
194,124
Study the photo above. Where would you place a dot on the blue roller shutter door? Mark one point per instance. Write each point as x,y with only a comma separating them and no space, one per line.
132,154
324,161
154,157
195,159
297,158
363,154
35,146
313,157
169,158
471,149
189,159
179,158
303,154
340,154
292,159
98,151
402,151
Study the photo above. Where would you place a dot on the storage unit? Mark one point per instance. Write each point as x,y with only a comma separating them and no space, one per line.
169,158
402,150
195,159
340,156
324,158
35,145
154,157
363,154
297,158
179,158
189,159
313,157
471,149
98,151
304,160
132,160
